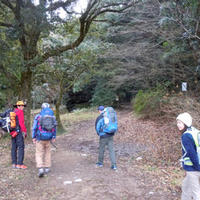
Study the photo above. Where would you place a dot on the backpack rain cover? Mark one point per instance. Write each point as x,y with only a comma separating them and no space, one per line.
47,124
110,121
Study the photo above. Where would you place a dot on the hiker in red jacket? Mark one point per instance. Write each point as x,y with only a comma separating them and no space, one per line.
17,150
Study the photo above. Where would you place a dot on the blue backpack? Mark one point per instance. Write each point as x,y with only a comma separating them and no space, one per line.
110,121
46,124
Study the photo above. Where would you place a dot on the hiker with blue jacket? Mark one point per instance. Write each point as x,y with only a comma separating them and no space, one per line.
43,133
190,160
105,139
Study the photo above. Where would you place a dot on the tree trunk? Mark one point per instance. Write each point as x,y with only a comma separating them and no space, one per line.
29,49
25,95
58,104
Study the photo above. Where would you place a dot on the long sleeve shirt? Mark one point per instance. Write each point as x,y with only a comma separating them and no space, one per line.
20,116
190,151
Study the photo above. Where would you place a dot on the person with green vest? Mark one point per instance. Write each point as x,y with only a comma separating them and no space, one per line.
190,161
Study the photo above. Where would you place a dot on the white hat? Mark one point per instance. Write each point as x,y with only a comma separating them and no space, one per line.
45,105
185,118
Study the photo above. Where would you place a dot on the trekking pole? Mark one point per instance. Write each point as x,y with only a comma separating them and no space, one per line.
53,144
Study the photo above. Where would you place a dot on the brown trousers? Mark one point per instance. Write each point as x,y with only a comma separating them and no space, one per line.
43,154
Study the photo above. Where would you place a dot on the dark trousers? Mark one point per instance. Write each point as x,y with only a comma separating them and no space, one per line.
17,150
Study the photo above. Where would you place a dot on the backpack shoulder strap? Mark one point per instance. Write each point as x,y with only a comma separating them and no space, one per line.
195,135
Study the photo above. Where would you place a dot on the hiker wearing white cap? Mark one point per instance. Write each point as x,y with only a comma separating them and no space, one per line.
190,160
43,133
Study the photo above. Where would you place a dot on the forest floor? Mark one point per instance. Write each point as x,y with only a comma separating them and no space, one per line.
74,175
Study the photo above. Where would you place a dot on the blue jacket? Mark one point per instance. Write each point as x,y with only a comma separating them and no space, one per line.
189,150
99,127
35,127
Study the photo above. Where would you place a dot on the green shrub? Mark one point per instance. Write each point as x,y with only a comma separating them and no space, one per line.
147,103
103,95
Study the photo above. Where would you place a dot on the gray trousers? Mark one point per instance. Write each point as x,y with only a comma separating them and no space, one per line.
191,186
103,142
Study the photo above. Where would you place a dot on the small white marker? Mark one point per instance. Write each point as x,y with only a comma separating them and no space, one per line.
67,182
78,180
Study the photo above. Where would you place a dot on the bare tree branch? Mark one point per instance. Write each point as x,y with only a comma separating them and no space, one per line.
60,4
109,8
85,21
179,13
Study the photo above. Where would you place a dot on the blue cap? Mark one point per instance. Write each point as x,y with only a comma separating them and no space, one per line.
101,108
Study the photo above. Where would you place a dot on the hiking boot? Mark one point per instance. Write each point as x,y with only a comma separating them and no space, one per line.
98,164
114,167
46,170
41,172
21,166
18,166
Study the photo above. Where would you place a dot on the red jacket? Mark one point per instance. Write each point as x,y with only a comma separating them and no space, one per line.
20,115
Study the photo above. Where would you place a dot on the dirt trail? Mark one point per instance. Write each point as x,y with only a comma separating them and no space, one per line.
74,175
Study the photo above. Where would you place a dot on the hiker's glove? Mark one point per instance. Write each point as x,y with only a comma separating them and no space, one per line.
24,134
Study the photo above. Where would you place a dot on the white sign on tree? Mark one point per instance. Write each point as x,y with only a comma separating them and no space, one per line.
184,86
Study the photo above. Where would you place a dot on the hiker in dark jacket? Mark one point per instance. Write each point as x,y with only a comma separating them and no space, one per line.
43,145
104,140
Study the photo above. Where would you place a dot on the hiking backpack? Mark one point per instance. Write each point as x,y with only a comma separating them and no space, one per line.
110,121
46,124
8,121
